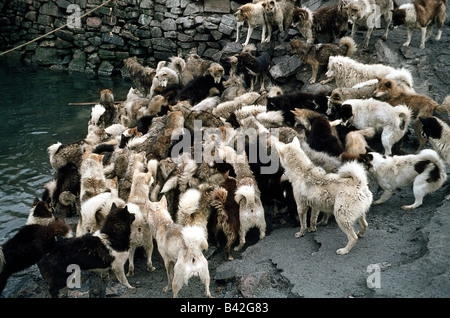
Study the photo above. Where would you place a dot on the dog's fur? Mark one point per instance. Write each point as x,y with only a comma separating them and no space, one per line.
287,102
107,101
31,242
344,194
197,67
253,14
256,66
164,77
348,72
421,14
391,121
321,137
142,76
199,88
367,13
319,54
421,106
328,21
425,171
274,14
437,132
102,250
92,178
356,144
225,216
180,247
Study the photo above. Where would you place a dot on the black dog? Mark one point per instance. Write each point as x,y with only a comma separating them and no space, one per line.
104,249
256,67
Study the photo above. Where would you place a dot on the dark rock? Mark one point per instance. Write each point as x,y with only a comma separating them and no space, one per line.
105,69
78,62
286,67
46,56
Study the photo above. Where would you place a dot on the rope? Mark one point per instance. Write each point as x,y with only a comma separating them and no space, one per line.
57,29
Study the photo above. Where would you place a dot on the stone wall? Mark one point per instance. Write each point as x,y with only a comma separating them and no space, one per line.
150,30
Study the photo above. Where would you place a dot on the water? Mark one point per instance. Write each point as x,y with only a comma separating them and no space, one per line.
34,115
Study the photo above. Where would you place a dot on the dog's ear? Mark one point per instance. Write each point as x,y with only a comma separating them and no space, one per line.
279,146
379,79
113,206
296,142
163,202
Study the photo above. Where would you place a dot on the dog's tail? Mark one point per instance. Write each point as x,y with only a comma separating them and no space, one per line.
444,110
349,43
247,192
188,204
219,198
402,77
354,170
177,64
403,116
51,150
436,171
96,113
368,132
181,176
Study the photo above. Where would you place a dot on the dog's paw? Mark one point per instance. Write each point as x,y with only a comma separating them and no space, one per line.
342,251
312,80
130,273
312,229
422,46
299,234
406,44
150,268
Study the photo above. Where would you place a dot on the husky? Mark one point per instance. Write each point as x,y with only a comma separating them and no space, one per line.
345,194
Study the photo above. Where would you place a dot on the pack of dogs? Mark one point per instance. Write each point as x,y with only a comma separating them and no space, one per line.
131,184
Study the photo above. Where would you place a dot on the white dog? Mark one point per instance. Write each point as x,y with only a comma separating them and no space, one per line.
368,13
180,247
344,194
424,171
253,14
164,76
391,121
348,72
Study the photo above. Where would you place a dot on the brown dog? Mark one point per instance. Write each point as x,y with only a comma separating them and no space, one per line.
318,54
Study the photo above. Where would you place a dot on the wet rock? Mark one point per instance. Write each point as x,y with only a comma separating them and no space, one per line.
78,62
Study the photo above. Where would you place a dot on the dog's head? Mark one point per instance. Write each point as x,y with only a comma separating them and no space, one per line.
217,72
40,213
384,88
299,47
355,11
269,7
162,77
399,17
335,100
300,16
346,114
367,159
431,128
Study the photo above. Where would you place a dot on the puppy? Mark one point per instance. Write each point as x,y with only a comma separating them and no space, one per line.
437,132
328,21
421,14
424,171
367,13
142,76
348,72
421,106
253,14
102,250
257,67
180,247
391,121
31,242
344,194
319,54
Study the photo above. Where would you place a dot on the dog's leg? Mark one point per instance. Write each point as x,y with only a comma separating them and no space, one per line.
169,271
408,37
118,269
347,228
242,232
362,226
354,29
387,20
384,197
231,237
249,33
429,32
269,34
422,38
315,70
369,33
329,79
263,32
131,260
263,88
302,210
417,126
313,220
438,35
420,190
238,28
204,276
149,251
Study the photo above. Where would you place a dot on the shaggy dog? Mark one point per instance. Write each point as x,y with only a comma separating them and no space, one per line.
287,102
319,54
142,76
280,13
321,137
330,21
420,105
31,242
421,14
180,247
437,132
92,178
194,207
225,215
367,13
391,121
253,14
257,67
356,144
247,195
345,194
197,67
102,250
107,101
60,155
225,109
164,77
200,88
348,72
425,171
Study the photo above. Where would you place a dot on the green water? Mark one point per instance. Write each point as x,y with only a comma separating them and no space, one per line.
34,114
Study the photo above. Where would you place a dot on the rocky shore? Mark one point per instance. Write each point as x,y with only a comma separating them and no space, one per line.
403,253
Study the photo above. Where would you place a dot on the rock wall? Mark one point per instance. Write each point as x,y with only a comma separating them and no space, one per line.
151,30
